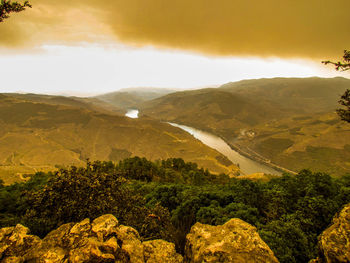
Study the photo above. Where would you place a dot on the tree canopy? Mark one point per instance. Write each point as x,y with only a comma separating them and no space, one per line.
7,7
164,199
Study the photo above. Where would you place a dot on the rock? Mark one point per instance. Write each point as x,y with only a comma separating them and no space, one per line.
102,240
160,251
13,260
334,242
81,228
104,225
59,237
15,241
90,252
235,241
130,243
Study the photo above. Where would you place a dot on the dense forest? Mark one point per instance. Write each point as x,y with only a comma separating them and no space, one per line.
163,199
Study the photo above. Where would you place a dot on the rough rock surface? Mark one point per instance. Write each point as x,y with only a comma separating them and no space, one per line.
235,241
160,251
102,240
334,242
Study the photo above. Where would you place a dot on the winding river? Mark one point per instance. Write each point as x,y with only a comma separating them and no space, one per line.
247,166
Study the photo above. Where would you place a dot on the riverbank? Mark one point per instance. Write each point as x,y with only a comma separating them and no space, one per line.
253,156
247,165
258,159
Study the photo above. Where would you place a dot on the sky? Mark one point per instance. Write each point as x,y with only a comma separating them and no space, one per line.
88,47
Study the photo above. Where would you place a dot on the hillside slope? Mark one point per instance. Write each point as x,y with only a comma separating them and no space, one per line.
40,136
132,97
290,122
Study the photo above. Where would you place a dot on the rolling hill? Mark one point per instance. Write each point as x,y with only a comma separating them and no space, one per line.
287,121
132,97
40,136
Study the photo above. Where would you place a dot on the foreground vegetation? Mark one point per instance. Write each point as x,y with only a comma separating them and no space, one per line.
164,199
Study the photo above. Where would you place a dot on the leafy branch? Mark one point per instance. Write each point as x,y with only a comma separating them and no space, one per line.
341,65
7,7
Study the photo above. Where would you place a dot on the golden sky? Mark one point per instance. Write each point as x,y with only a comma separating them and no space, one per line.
265,38
283,28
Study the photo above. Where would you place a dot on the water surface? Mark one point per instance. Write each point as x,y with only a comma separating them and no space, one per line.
132,113
247,166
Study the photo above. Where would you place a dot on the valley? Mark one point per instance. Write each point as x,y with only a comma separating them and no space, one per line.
288,122
38,136
283,124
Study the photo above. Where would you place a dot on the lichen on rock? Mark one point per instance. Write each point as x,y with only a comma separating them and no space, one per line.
334,242
102,240
235,241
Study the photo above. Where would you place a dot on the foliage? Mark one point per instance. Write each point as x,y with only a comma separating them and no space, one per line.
77,193
163,200
12,203
7,7
345,101
341,65
345,98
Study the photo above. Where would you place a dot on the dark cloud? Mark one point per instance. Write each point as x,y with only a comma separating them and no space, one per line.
285,28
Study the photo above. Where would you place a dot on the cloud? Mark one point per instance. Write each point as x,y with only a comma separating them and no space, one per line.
284,28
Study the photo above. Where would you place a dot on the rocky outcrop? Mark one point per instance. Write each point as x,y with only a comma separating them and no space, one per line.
334,242
102,240
235,241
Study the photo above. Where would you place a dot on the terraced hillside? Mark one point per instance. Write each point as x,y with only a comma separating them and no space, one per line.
290,122
37,136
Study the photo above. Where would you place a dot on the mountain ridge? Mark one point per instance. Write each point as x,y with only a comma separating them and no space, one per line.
255,116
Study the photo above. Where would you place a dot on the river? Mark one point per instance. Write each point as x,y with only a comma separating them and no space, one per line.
134,114
247,166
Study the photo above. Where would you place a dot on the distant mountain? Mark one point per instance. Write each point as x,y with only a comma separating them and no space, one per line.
288,121
92,104
148,93
132,97
299,95
40,133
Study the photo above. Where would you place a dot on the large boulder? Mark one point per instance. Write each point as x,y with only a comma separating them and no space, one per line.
235,241
102,240
334,242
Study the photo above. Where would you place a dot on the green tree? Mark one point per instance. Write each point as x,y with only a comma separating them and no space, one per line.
345,98
7,7
345,101
77,193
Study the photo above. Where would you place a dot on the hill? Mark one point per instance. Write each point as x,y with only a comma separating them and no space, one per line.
287,121
37,136
299,95
132,97
92,104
